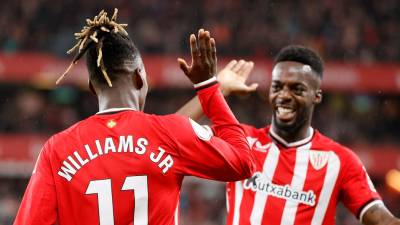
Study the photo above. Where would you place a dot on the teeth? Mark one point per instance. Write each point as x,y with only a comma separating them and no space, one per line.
282,110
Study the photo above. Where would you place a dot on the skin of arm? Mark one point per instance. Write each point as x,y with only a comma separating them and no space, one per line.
232,79
379,215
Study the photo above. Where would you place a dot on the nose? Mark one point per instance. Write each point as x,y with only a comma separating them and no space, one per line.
284,95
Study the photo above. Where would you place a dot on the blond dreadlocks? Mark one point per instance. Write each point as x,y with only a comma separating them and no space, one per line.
89,34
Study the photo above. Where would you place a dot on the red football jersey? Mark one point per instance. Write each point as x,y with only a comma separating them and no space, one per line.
299,183
126,167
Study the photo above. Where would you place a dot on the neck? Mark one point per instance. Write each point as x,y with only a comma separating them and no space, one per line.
117,98
292,135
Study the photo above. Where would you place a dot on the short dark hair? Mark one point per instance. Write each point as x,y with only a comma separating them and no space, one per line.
301,54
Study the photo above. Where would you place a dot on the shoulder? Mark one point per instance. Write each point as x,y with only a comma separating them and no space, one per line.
60,138
251,130
169,121
183,128
345,154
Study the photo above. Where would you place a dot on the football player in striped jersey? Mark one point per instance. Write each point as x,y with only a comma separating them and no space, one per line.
301,174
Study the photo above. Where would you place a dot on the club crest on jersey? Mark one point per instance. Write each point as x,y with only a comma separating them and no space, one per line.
318,159
111,124
201,131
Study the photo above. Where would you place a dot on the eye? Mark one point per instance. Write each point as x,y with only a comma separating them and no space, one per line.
299,90
275,87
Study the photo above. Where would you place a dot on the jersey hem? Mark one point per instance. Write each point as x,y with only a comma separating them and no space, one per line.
367,206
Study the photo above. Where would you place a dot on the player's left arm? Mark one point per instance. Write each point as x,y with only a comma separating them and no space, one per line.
39,204
379,215
359,195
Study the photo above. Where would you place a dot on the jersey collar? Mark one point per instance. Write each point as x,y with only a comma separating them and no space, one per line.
292,144
112,110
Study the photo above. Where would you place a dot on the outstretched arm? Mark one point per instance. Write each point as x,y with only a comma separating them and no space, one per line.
379,215
225,156
232,79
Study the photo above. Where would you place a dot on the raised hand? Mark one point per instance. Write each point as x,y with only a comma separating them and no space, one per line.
233,77
204,58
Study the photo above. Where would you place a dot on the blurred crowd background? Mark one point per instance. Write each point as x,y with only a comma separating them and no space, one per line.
346,31
366,30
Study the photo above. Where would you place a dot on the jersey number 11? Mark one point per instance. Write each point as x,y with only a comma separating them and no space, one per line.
104,196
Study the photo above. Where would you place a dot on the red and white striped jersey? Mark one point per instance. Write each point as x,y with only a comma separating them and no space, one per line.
298,183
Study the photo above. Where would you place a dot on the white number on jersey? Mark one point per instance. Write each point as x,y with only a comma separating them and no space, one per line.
104,197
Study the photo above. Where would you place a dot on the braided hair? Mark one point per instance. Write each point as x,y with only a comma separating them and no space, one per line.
107,45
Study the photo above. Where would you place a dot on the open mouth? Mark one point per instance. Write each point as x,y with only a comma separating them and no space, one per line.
285,114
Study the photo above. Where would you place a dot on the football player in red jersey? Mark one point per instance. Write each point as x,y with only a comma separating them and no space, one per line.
301,174
123,166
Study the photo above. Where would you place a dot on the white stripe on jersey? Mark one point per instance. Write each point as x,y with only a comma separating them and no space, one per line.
238,201
332,172
299,177
260,198
176,216
227,200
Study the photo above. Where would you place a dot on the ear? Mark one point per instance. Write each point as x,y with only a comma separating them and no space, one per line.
318,96
137,79
92,88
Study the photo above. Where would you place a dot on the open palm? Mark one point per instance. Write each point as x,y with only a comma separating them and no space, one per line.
233,77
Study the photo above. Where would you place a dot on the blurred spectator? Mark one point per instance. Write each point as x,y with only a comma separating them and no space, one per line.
339,29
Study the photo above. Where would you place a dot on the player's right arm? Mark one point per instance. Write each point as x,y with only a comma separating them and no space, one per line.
225,156
379,215
232,79
39,204
360,196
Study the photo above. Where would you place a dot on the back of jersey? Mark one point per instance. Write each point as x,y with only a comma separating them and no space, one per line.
112,168
127,167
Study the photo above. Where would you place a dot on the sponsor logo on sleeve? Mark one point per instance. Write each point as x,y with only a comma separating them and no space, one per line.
201,132
251,141
255,144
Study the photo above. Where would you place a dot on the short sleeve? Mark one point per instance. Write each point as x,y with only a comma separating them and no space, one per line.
357,190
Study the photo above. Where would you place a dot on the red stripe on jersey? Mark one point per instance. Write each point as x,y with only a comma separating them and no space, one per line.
322,174
261,185
314,180
275,205
246,207
247,203
324,212
230,201
299,174
240,201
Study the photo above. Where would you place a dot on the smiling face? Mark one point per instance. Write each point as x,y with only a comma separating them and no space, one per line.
294,91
